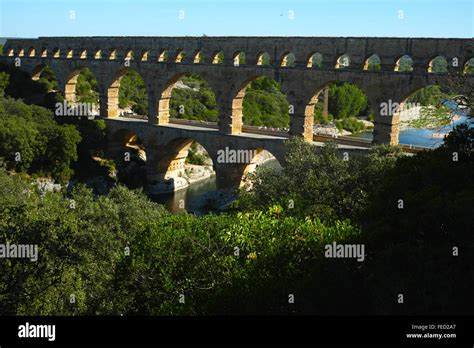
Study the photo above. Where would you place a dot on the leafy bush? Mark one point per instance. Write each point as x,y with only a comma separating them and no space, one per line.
31,141
346,100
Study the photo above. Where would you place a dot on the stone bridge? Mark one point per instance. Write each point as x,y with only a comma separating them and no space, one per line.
162,61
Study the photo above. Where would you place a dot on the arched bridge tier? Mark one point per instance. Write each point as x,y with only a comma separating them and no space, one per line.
161,61
166,148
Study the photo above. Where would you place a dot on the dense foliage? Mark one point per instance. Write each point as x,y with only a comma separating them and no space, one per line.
195,100
265,105
346,100
122,254
31,141
133,93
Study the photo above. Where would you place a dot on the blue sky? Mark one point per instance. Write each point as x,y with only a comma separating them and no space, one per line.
405,18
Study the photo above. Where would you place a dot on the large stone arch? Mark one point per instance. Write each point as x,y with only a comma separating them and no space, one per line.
236,160
111,88
231,120
37,70
161,104
71,80
166,161
121,142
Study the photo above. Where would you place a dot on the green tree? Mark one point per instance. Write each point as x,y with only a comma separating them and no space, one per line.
265,105
346,100
133,93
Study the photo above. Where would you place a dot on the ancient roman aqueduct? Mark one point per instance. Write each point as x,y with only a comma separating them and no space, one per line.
161,61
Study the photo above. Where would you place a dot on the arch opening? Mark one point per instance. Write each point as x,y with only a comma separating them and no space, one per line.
128,151
56,52
98,54
438,65
218,57
31,52
144,55
82,90
315,60
260,106
44,52
178,164
404,64
239,58
198,57
469,67
429,113
343,62
69,53
263,58
21,52
83,54
188,97
373,63
288,60
127,95
45,75
180,56
339,108
113,54
129,55
163,56
46,92
254,160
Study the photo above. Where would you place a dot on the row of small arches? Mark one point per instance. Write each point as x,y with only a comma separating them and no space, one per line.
438,64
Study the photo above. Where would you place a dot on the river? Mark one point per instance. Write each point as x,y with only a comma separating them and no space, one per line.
421,137
202,197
